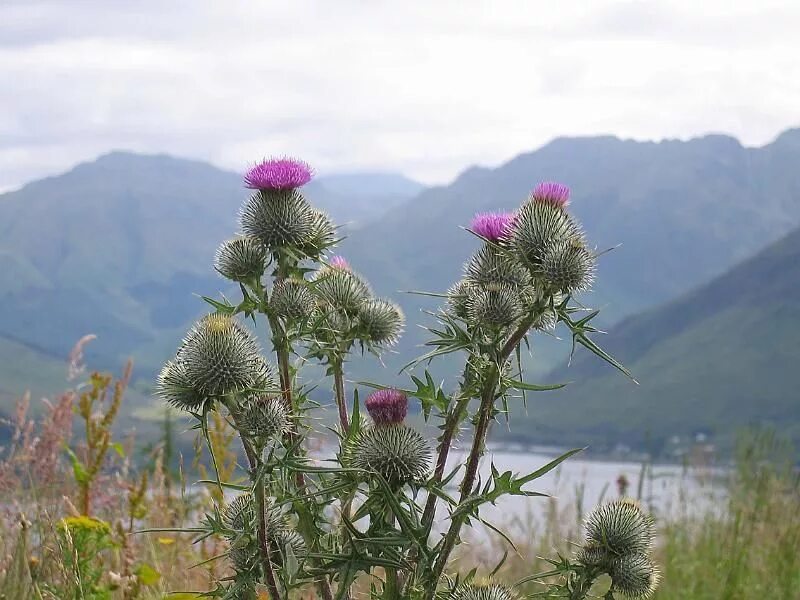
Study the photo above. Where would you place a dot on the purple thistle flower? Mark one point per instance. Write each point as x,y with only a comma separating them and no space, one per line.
387,407
492,226
278,174
552,193
339,262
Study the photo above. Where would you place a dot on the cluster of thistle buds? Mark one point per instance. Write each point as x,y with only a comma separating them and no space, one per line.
530,261
619,543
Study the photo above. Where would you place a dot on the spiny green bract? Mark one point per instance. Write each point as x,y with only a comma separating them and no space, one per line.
241,259
492,265
634,575
380,322
459,295
595,556
537,228
279,218
175,387
489,591
567,266
263,417
621,527
292,299
321,237
397,452
220,356
340,289
496,306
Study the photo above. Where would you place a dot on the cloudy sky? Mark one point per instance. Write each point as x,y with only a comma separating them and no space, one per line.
426,88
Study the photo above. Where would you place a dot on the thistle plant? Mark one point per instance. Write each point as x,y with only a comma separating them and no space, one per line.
368,512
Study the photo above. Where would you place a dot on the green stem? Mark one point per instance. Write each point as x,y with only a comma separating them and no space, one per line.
339,394
488,396
391,588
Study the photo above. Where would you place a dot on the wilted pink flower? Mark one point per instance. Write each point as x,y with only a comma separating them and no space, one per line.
492,226
278,174
387,406
552,193
339,262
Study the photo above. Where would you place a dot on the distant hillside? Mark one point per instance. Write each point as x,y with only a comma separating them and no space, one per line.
683,212
720,358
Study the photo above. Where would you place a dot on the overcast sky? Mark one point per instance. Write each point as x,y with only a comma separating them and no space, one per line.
427,88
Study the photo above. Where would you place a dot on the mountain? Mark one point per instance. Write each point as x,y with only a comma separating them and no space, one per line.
719,358
683,212
117,247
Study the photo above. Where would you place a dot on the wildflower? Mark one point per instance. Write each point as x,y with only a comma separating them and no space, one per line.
292,300
278,174
551,192
621,527
492,226
635,575
381,321
339,262
241,259
387,406
396,452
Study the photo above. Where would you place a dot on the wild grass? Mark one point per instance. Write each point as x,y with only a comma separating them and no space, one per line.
71,500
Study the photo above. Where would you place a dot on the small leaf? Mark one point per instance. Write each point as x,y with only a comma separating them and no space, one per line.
147,574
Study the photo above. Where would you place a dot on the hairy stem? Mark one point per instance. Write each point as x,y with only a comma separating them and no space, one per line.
339,394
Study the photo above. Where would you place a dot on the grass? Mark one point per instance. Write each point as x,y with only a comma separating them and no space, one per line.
52,547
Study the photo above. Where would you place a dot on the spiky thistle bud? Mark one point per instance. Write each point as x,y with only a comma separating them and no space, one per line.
278,174
175,387
634,575
278,218
595,556
387,406
484,591
459,296
621,527
537,228
492,265
568,266
321,236
292,299
220,356
380,322
240,513
492,226
241,259
396,452
340,289
496,306
263,417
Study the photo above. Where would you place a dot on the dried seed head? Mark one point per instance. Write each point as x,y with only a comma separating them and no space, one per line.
241,259
621,527
396,452
220,356
380,322
634,575
175,387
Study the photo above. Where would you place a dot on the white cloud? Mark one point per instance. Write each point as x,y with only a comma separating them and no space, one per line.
420,87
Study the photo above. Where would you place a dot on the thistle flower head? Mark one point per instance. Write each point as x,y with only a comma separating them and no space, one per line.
396,452
550,192
240,513
567,266
321,236
278,174
485,591
594,556
339,262
220,356
492,226
459,295
497,306
279,218
292,300
241,259
387,406
621,527
175,387
634,575
263,417
491,265
380,322
537,228
340,289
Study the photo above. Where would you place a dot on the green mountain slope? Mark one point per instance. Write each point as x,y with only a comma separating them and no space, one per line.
720,358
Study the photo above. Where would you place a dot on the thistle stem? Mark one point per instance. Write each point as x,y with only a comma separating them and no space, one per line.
479,439
339,394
